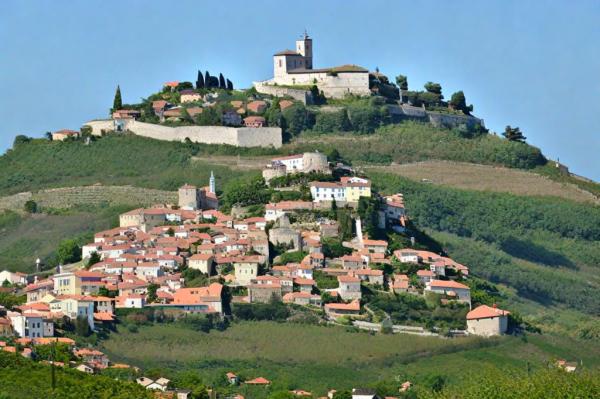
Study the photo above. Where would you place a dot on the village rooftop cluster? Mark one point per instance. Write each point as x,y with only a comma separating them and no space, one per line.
140,263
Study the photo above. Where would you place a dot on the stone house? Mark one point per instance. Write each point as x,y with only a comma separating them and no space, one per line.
349,287
487,321
283,234
373,276
246,269
304,284
335,310
425,276
302,298
255,121
264,293
62,135
352,262
202,262
450,288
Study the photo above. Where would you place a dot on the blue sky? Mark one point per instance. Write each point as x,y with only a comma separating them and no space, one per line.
532,64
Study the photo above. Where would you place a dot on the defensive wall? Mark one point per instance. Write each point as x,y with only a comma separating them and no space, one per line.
236,136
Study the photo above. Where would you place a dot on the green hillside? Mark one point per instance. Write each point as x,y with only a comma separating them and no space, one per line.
24,238
303,356
24,379
547,249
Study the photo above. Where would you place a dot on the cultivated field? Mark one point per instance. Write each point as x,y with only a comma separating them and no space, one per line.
67,197
234,162
487,178
316,357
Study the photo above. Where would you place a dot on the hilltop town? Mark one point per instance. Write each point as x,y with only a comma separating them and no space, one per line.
190,258
310,240
298,97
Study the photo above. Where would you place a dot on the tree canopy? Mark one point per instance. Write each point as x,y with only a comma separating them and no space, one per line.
117,102
514,134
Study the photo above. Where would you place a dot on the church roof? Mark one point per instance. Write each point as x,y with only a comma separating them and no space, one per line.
287,52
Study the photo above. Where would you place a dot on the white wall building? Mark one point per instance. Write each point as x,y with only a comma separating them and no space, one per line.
327,191
31,325
295,67
13,278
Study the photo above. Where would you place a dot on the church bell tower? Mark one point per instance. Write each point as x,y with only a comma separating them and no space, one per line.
304,48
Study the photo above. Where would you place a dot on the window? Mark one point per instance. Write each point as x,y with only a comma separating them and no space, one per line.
279,63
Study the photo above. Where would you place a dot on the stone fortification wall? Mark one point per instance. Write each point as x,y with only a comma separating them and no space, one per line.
236,136
67,197
101,126
451,121
338,85
344,84
278,91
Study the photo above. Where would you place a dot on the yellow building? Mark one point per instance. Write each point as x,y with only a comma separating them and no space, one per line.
356,187
67,284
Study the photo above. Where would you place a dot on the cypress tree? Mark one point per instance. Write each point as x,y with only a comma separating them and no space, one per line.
222,82
200,81
207,80
118,102
229,85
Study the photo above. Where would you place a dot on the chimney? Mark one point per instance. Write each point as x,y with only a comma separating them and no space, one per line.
494,306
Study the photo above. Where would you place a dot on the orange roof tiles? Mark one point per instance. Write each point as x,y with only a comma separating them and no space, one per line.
448,284
259,381
485,312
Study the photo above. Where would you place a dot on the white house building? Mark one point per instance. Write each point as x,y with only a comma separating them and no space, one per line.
13,278
31,325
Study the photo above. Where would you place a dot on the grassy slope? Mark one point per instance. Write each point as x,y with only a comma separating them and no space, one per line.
315,357
547,251
488,178
25,238
113,160
411,142
24,379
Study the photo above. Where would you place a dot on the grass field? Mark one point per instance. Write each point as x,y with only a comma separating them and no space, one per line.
25,238
488,178
317,357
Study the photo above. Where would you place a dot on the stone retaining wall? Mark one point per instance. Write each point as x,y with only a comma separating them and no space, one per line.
236,136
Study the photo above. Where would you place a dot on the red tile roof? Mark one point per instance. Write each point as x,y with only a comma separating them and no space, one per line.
259,381
448,284
485,312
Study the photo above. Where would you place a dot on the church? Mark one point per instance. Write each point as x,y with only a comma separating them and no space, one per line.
295,68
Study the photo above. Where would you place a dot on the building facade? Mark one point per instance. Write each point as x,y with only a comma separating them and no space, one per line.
295,68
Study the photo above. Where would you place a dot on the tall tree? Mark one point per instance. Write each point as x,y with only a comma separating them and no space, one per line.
434,88
514,134
402,82
222,82
229,85
459,102
200,80
117,102
207,80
